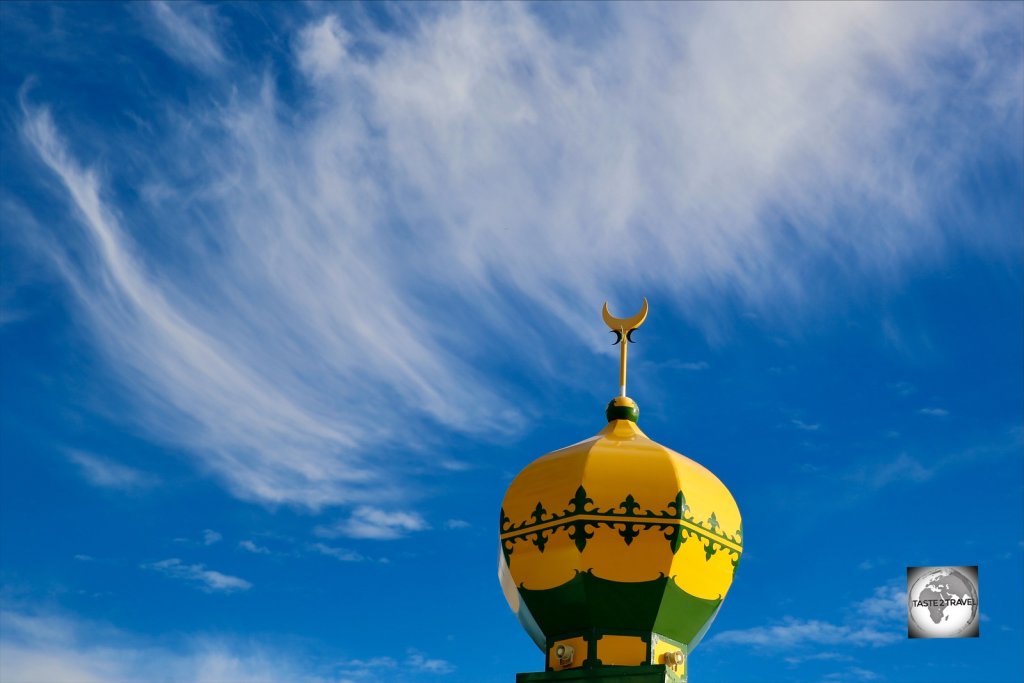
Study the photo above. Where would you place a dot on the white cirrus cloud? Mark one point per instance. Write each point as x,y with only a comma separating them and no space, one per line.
850,674
342,554
39,646
676,364
305,282
254,548
887,604
805,426
874,622
187,32
792,632
371,668
373,523
903,468
106,473
818,657
934,412
42,645
321,47
205,579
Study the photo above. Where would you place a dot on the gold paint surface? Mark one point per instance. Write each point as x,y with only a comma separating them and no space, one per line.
624,324
622,327
622,650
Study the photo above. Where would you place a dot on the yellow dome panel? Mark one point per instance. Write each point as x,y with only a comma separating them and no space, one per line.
623,508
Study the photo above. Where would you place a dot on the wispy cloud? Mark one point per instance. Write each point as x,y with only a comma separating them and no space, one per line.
413,659
853,673
337,553
233,402
252,547
805,426
456,524
109,474
818,657
43,645
901,469
903,388
207,580
370,522
57,648
888,604
676,364
875,473
873,622
321,48
187,32
934,412
207,538
329,251
792,632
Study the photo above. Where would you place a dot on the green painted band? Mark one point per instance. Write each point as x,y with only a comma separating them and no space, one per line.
614,412
588,602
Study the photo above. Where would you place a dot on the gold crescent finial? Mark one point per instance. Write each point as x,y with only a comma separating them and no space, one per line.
624,325
623,328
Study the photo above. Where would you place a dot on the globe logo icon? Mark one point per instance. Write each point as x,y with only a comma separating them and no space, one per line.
942,602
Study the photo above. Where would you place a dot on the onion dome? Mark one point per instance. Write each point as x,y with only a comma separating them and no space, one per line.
616,552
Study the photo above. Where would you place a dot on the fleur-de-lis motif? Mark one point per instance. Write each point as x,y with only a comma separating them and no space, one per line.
538,513
579,502
626,518
541,539
629,508
678,505
675,537
579,534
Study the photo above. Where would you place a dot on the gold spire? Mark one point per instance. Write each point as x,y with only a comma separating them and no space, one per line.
623,328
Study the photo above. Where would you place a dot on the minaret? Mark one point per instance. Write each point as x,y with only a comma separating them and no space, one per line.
616,552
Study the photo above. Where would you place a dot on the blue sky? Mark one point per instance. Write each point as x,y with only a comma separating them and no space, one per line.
290,292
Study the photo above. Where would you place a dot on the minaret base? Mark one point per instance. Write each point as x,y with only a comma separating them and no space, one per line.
646,673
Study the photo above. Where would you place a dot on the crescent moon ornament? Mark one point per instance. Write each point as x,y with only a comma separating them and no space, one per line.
624,325
623,329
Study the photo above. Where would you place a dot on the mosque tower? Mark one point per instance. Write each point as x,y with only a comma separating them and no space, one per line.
616,552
